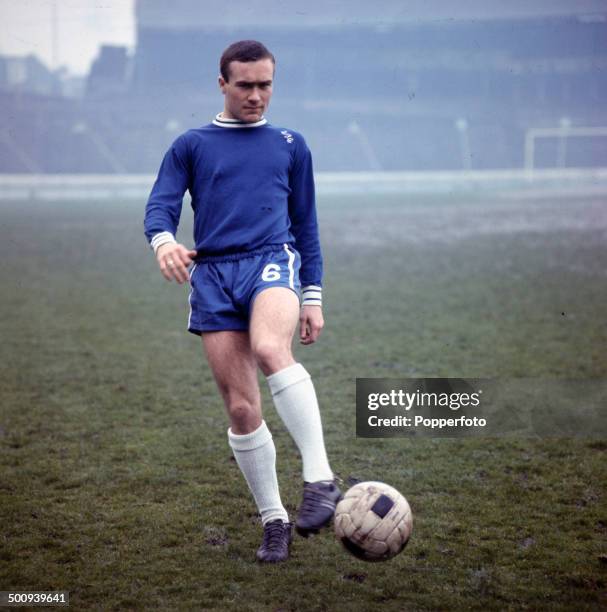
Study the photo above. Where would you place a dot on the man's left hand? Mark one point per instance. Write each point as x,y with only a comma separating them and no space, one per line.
311,323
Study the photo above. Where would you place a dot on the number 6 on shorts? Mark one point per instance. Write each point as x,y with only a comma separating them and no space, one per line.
271,272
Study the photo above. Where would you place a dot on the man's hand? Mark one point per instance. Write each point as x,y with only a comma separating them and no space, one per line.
174,259
311,323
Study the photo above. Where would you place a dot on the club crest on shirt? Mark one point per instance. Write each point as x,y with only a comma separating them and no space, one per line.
287,136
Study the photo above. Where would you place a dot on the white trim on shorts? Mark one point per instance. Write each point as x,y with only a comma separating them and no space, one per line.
290,266
190,296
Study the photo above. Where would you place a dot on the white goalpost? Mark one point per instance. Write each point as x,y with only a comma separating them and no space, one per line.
562,134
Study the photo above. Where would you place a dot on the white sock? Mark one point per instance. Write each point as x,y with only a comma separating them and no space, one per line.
256,457
296,403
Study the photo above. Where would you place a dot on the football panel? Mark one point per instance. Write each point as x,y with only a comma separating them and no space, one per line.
385,529
345,505
361,553
347,528
382,505
376,547
369,523
398,513
338,524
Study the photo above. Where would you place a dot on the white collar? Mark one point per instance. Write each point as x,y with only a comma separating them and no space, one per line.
225,122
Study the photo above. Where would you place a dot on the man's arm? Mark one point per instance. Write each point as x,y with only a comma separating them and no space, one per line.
304,227
163,211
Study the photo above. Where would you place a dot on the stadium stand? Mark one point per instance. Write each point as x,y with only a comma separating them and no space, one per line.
439,95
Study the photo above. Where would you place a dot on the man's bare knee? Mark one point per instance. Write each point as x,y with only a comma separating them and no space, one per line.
272,355
244,417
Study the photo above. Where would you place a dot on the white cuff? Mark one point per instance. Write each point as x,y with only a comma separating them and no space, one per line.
250,441
162,238
311,295
285,378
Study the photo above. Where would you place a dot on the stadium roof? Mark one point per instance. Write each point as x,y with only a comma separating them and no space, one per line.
193,14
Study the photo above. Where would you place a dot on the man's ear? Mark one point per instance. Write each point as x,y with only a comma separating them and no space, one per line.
222,84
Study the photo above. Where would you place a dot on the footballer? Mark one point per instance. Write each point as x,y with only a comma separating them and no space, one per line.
255,273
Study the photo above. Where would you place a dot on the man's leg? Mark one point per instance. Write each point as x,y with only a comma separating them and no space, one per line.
235,370
273,323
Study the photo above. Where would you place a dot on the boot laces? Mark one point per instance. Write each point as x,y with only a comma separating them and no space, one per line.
273,535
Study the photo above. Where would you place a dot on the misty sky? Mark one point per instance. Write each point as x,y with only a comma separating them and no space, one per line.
82,25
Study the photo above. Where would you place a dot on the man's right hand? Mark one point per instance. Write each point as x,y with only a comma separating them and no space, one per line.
173,259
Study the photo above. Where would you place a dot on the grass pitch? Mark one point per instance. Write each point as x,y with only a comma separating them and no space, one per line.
117,483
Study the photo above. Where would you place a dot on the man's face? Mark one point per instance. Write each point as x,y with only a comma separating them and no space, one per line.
248,92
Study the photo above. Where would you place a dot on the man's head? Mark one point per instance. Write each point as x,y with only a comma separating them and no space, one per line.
247,74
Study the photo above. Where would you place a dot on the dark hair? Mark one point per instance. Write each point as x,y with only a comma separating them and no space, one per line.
242,51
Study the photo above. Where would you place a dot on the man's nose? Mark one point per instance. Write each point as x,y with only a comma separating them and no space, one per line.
254,94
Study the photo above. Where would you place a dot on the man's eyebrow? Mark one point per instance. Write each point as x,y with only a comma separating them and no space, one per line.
243,82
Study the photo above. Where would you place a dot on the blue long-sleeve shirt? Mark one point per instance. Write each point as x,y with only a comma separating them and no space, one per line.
251,185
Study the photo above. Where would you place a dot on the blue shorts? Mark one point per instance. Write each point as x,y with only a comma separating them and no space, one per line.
223,287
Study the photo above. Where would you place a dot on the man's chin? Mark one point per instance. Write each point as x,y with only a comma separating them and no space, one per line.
252,116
